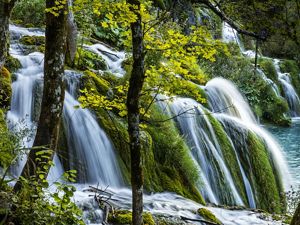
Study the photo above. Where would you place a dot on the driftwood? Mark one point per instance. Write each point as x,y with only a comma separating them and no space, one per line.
102,197
198,220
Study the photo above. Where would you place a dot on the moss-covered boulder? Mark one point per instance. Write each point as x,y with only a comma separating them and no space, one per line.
87,60
5,88
120,217
208,216
12,64
33,43
166,160
32,40
265,178
230,156
7,143
93,81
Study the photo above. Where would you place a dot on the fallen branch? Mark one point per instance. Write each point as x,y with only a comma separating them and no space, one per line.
198,220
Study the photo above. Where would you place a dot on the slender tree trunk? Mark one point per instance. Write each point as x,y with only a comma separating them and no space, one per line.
5,11
53,94
133,100
72,32
296,217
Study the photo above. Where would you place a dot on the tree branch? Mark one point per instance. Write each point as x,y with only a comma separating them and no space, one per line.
226,19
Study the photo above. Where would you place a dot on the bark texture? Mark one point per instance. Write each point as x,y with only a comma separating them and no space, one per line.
296,217
71,35
53,93
133,101
5,11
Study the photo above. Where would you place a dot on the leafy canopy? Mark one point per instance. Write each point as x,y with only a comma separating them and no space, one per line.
171,55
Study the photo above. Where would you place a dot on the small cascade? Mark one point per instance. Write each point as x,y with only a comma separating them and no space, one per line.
87,142
22,116
166,205
271,83
91,152
112,58
231,35
202,134
226,88
289,91
206,151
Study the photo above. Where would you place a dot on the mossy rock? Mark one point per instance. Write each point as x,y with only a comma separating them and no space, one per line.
7,143
266,181
32,40
120,217
229,156
208,215
5,88
93,81
12,64
87,60
268,68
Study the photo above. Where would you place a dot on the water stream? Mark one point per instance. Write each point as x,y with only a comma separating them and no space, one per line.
92,153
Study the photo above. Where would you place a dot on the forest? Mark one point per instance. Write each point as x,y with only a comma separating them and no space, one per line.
154,112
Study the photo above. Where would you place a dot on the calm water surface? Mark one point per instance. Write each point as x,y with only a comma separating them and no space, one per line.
289,139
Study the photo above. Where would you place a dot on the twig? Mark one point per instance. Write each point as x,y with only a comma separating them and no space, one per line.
198,220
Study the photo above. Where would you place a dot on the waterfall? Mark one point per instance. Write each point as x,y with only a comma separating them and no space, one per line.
232,111
88,143
112,58
231,93
289,91
89,146
206,151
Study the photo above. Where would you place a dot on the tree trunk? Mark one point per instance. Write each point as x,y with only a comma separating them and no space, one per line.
72,32
135,87
5,11
53,94
296,217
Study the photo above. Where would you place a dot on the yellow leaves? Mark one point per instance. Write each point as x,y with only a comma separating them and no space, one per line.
104,24
58,7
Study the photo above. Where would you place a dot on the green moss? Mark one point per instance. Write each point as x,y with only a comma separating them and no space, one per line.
177,171
208,215
12,64
268,68
264,176
119,217
32,40
229,156
274,109
93,81
85,60
7,143
5,88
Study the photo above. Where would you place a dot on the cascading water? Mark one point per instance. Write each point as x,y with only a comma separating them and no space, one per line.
289,92
228,107
206,151
88,143
113,59
245,117
231,35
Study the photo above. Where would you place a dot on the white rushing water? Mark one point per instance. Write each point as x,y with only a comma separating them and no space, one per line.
245,116
91,152
231,35
112,58
89,146
290,93
167,205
